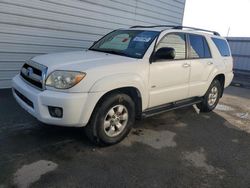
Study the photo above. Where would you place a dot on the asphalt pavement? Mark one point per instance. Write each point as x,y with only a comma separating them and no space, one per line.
181,148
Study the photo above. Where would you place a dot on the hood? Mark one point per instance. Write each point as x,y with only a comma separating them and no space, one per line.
80,60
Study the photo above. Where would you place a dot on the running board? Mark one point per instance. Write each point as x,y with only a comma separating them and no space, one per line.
170,106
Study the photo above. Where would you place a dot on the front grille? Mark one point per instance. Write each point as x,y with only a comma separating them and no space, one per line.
34,74
24,99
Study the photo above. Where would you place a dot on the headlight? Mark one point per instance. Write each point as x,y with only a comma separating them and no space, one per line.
64,79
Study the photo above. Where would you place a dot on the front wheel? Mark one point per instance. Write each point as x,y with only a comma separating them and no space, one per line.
112,119
211,98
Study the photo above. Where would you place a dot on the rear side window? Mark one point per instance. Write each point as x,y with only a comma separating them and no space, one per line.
222,46
198,47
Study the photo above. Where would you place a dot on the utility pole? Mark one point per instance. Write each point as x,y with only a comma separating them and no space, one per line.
228,31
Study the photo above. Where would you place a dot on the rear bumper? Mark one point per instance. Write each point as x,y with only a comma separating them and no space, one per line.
228,79
77,107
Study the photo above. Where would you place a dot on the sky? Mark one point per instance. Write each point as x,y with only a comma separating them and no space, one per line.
219,15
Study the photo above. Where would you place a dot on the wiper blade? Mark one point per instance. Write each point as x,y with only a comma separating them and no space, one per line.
111,52
114,52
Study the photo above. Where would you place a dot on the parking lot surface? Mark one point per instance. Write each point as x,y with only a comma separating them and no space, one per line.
181,148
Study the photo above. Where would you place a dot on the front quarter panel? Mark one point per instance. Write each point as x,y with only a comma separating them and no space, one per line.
117,81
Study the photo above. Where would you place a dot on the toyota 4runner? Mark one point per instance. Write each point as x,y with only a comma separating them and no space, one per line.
127,74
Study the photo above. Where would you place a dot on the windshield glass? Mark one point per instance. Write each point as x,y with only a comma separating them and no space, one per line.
131,43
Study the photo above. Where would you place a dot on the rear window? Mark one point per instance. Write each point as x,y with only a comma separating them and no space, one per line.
198,47
222,46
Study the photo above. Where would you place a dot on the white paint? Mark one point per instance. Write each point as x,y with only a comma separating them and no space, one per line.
243,115
31,173
222,107
155,139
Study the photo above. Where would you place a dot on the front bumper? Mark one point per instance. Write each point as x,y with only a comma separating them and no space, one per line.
75,113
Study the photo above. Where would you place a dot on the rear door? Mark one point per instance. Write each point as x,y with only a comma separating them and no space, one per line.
201,62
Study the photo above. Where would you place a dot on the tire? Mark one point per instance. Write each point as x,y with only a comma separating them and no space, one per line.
111,120
211,98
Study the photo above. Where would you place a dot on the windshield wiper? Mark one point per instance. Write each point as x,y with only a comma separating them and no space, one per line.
115,52
110,51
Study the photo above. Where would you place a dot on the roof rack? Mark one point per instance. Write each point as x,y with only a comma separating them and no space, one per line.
153,26
198,29
177,27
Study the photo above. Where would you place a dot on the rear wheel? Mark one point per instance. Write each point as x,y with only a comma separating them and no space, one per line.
112,119
211,98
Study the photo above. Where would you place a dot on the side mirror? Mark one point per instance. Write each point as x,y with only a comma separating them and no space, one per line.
164,54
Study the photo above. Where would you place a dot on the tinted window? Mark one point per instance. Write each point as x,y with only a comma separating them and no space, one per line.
199,47
176,41
222,46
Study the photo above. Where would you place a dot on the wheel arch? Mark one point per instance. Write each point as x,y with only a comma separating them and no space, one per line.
221,79
131,91
130,81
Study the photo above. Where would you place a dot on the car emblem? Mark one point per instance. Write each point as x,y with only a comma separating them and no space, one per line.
29,71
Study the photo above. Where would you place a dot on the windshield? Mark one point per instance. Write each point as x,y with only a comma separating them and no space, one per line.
131,43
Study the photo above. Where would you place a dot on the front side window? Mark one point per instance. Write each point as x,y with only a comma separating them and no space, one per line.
177,41
131,43
198,47
222,46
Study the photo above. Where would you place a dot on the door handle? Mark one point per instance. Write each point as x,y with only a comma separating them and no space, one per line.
186,65
210,63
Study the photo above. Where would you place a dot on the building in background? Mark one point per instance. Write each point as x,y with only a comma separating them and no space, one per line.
240,48
30,28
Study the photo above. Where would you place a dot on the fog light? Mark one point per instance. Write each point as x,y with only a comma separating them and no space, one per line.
56,112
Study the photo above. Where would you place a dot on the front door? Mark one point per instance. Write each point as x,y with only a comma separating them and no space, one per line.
169,79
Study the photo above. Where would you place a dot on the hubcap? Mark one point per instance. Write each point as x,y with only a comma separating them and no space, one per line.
115,120
213,95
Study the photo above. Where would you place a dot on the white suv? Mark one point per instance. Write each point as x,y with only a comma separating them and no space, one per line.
127,74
